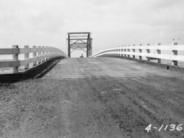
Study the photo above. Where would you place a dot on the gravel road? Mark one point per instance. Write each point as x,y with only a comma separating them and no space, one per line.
95,98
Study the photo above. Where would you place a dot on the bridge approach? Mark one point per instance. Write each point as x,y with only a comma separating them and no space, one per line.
97,98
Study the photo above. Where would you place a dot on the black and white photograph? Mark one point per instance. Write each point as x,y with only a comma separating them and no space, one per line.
91,68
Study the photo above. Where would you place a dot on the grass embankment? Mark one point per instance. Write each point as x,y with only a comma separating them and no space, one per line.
28,108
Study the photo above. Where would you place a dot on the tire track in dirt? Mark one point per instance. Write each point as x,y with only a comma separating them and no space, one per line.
120,108
153,108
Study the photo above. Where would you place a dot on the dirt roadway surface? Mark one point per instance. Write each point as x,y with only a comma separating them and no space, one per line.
94,98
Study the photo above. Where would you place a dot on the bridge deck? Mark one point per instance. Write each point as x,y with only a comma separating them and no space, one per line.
100,98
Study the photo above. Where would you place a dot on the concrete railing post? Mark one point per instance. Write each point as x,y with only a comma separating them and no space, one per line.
134,52
125,53
43,53
26,56
140,57
34,55
128,53
16,58
39,54
148,51
46,52
159,60
159,52
175,62
140,50
175,52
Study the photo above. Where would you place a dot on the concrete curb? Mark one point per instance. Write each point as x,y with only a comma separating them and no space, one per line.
164,66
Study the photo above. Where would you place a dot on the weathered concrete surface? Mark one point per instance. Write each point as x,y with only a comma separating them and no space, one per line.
95,98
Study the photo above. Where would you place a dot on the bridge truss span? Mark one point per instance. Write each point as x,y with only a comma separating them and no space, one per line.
80,41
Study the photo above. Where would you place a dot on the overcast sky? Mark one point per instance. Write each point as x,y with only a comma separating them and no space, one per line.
111,22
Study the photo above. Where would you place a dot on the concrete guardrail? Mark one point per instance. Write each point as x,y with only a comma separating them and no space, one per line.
157,53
